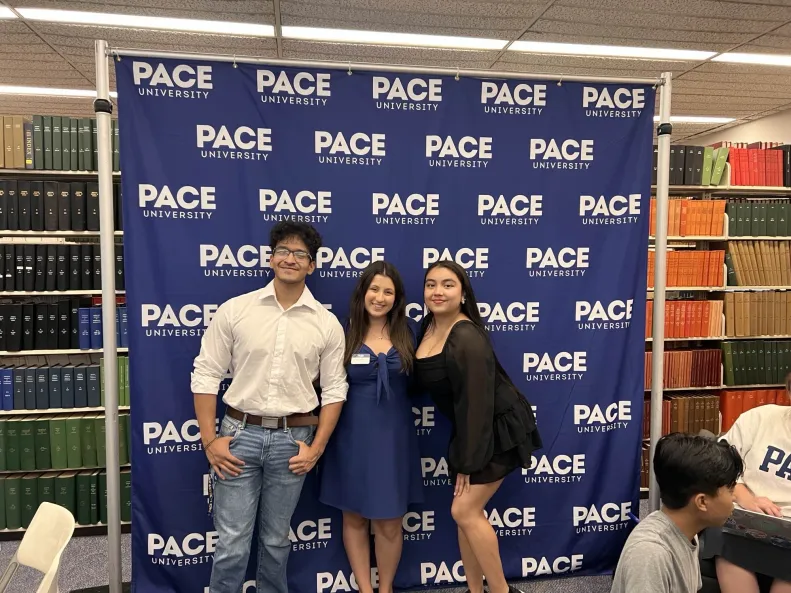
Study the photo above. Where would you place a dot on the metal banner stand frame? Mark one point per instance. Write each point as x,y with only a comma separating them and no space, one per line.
103,109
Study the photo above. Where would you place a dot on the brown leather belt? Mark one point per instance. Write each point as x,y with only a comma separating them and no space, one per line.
302,419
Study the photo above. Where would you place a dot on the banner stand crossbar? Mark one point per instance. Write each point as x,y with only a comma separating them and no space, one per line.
104,52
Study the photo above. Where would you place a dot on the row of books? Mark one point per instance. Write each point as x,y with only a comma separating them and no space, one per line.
688,368
759,263
758,313
53,143
37,205
687,217
758,218
694,165
30,443
691,268
56,326
689,413
45,267
83,493
59,387
756,362
734,402
758,163
688,319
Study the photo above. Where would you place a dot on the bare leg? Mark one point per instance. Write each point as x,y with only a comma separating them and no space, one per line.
388,543
472,569
735,579
357,542
467,511
781,587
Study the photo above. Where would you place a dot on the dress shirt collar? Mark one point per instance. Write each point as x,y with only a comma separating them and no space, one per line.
306,299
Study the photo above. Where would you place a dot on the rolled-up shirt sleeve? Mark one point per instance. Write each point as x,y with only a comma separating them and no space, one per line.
216,350
332,374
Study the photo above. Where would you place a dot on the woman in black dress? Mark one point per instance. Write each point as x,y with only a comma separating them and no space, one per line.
494,430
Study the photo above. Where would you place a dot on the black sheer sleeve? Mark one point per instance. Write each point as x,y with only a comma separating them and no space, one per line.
471,371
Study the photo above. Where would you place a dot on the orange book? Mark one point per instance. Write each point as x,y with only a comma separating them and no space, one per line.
701,319
684,218
730,407
649,314
701,261
749,401
669,319
652,217
673,225
718,220
760,397
686,319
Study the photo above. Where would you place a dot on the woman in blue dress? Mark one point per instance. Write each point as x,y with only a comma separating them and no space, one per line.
371,466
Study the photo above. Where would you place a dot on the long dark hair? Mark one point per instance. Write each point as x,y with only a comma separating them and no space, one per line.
469,307
400,334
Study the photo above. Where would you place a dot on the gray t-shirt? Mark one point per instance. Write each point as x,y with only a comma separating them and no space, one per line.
658,558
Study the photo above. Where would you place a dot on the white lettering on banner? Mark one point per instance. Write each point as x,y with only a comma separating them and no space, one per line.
246,261
563,366
184,202
589,419
242,143
305,206
510,317
424,419
188,321
608,211
192,549
609,517
409,210
300,88
418,526
435,471
512,522
359,149
515,210
467,257
170,438
620,103
338,264
561,469
468,151
311,535
433,574
523,99
416,94
569,154
328,582
602,316
182,82
537,567
416,311
567,261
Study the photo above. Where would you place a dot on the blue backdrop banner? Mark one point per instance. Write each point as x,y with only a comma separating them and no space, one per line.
540,190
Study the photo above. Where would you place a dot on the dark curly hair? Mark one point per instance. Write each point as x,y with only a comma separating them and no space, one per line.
285,229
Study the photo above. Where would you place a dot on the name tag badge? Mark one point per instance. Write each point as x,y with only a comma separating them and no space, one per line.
361,358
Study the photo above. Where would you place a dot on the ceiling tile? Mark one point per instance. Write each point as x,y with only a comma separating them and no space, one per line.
250,11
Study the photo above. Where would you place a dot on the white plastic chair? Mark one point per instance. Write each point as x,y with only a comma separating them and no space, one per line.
42,546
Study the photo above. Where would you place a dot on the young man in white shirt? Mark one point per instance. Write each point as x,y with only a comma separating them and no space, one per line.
696,478
276,341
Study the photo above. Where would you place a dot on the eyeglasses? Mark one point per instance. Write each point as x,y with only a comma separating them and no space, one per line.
284,252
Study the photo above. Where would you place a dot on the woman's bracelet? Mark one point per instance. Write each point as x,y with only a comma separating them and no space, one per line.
211,442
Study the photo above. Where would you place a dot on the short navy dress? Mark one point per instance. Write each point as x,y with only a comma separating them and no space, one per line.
371,465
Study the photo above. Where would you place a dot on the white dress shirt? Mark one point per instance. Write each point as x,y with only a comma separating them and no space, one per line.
273,354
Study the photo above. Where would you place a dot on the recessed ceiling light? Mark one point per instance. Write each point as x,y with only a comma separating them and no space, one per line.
610,51
386,38
5,13
697,119
6,89
146,22
765,59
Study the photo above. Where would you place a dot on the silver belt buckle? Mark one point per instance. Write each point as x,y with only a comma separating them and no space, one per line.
269,422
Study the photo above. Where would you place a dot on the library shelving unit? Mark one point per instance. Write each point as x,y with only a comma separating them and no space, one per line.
74,481
770,257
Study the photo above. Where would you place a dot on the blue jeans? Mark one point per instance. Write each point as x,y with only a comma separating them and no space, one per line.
265,488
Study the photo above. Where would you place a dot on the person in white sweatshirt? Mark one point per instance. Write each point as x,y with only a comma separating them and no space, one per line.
763,438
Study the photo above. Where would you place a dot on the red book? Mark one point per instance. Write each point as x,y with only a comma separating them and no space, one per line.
760,398
761,169
749,401
744,163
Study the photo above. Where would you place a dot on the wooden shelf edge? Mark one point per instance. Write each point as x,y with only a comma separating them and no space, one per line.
53,173
14,472
720,387
722,338
56,411
55,352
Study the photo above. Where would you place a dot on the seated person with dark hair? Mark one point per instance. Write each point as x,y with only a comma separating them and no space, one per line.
696,478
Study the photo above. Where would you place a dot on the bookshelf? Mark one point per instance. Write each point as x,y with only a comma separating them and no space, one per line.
54,352
59,411
50,173
56,293
56,234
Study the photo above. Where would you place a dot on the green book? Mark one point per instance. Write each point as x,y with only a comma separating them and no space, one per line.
94,497
13,502
777,378
28,497
46,487
727,355
731,209
65,491
12,453
43,457
47,142
101,383
742,222
88,441
129,435
755,222
752,362
126,380
95,143
740,360
123,439
719,166
2,502
57,144
73,441
27,443
38,142
2,445
771,219
116,147
762,219
86,153
101,443
58,443
760,365
782,220
783,360
74,127
126,495
120,375
103,497
731,278
65,142
708,165
769,374
83,515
